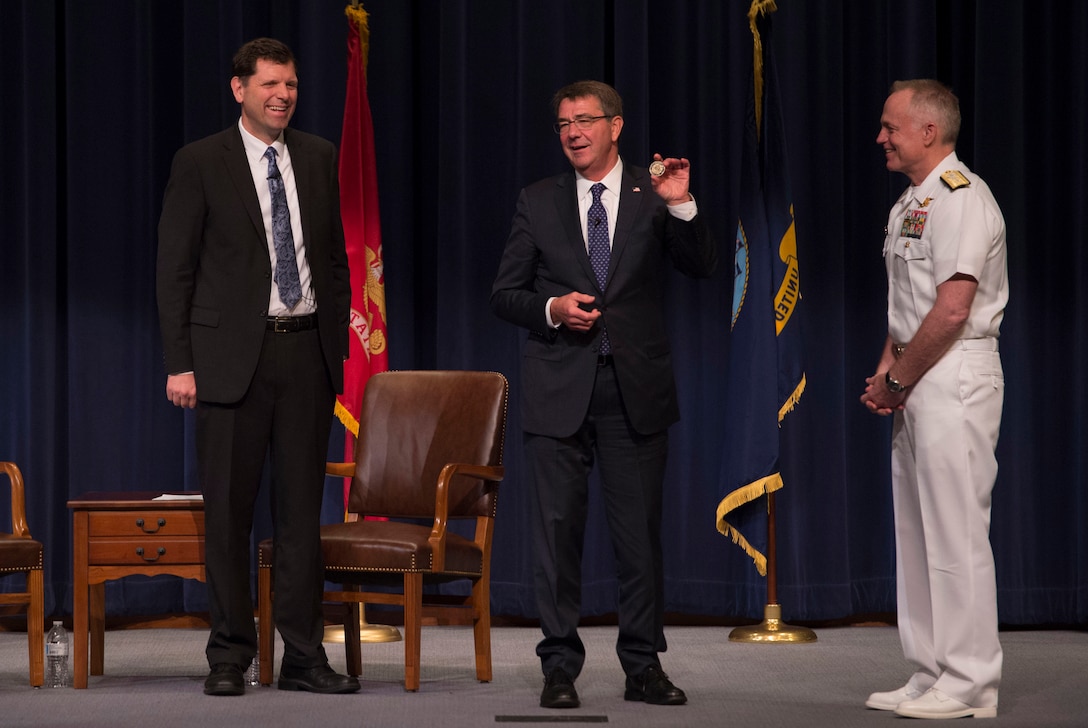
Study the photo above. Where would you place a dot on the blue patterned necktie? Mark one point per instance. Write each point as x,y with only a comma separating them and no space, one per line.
286,275
599,249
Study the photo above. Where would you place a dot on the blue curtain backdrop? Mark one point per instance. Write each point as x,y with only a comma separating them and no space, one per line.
100,95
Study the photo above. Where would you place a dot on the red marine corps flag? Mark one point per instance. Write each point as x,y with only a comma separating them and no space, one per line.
362,236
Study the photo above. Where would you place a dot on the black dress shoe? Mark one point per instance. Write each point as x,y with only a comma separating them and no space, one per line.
224,679
653,686
559,690
320,679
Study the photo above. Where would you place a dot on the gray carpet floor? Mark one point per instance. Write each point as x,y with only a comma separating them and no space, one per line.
154,677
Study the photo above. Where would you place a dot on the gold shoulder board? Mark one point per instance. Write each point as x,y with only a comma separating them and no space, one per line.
955,179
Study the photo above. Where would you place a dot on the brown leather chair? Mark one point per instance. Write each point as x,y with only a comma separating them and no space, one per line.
429,449
19,553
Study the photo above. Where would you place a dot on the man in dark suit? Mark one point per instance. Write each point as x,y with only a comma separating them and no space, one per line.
583,271
254,295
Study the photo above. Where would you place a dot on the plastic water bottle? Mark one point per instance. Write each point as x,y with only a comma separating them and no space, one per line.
253,672
56,657
252,678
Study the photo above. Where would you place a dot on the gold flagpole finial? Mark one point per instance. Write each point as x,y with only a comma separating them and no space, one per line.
360,17
757,8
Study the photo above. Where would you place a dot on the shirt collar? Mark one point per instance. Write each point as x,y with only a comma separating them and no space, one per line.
931,183
611,180
255,148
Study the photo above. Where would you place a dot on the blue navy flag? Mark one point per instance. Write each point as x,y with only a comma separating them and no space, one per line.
766,376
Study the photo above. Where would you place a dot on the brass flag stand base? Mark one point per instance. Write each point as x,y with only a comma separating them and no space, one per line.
372,633
367,632
772,629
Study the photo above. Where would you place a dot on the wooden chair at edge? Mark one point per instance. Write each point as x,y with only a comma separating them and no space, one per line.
19,553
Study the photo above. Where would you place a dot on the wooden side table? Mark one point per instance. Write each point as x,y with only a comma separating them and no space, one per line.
122,534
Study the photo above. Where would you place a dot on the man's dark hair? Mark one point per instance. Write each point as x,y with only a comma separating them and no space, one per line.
611,103
245,60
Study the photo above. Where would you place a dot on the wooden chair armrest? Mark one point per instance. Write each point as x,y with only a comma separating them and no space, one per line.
345,470
19,527
437,539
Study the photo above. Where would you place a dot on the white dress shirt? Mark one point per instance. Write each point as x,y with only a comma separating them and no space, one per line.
258,166
610,199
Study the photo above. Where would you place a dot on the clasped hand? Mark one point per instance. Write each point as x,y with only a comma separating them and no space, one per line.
878,399
568,311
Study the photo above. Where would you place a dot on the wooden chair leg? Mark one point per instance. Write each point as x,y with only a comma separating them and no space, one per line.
353,649
266,644
481,628
35,626
413,624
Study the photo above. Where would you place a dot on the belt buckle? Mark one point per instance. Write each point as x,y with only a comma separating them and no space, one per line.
283,325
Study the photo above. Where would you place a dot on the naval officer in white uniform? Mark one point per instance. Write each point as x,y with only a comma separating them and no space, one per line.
940,375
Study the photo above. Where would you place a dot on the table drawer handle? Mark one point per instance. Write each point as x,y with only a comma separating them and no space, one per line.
140,553
140,525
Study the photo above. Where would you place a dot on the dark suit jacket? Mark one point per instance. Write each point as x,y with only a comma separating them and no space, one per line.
214,270
546,256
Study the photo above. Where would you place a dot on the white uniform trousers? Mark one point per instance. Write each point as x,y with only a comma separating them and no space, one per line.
943,471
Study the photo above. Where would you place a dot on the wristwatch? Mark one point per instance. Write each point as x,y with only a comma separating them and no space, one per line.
894,385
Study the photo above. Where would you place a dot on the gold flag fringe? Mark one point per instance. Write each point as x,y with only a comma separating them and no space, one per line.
740,496
346,418
792,400
360,17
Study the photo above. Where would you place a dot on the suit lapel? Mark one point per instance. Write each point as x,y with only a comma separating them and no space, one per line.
566,205
234,157
631,200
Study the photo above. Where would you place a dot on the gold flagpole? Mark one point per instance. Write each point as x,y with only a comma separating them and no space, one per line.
372,633
367,632
772,628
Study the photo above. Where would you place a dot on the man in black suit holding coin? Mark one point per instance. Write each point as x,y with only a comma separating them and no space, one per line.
583,271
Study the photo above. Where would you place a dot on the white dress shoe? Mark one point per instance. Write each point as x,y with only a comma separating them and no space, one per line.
937,705
892,699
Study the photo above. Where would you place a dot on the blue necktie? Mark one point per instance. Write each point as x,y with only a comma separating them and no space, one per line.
286,275
599,249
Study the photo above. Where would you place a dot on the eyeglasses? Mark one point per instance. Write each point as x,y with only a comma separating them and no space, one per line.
582,122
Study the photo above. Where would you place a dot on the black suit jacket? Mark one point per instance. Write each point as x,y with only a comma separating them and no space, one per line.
214,271
546,256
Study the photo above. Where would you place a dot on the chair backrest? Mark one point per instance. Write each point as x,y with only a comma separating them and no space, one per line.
412,424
